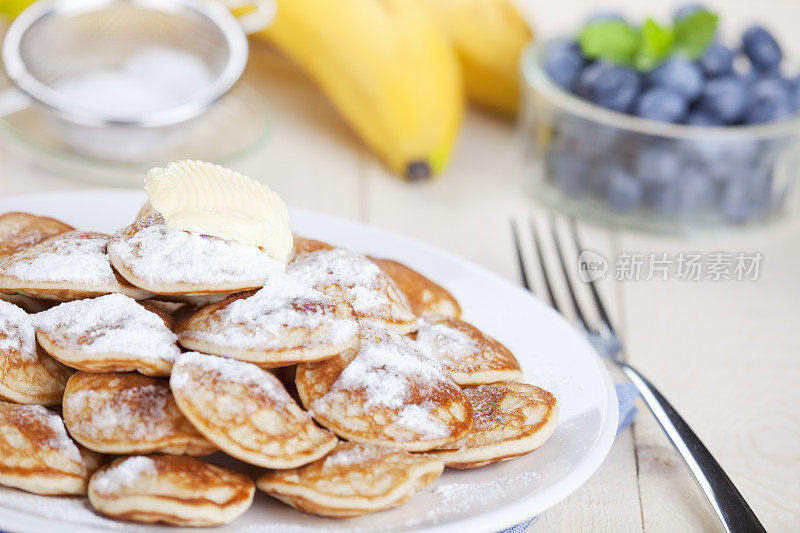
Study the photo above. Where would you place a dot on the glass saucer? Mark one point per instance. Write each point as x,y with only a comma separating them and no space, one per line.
233,127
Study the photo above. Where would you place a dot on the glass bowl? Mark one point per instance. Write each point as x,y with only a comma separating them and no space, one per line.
620,170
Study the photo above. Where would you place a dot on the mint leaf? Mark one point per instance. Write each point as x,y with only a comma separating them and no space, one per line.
694,33
612,40
655,47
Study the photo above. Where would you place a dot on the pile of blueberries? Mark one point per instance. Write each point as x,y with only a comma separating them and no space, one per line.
628,170
722,87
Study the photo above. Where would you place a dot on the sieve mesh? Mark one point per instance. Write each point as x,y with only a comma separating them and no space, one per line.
67,44
55,46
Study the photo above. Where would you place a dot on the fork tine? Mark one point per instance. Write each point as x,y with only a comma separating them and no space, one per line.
565,272
540,256
605,322
520,261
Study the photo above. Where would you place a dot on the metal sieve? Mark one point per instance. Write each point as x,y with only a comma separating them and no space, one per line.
59,39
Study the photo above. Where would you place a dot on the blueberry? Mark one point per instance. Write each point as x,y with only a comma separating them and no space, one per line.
662,104
696,190
717,60
731,169
602,173
609,85
761,47
795,92
701,117
658,164
770,99
749,76
624,191
563,62
679,74
734,202
726,160
686,10
568,172
793,86
597,178
724,98
744,200
662,198
763,194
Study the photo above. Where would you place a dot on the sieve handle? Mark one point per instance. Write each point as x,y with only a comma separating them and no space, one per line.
13,100
257,18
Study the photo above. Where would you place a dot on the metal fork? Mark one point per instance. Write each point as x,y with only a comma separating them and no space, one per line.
727,502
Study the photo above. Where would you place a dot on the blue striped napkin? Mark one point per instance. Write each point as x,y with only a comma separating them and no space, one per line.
626,394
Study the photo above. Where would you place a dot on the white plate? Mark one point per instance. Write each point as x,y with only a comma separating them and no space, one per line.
553,355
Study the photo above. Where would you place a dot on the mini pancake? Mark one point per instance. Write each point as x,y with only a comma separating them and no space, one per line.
511,419
280,324
146,210
27,374
69,266
170,307
247,412
112,333
353,480
303,245
22,230
175,490
28,304
37,454
172,262
387,392
128,413
353,278
424,296
472,357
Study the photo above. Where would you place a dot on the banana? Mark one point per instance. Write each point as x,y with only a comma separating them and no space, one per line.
11,8
387,68
489,36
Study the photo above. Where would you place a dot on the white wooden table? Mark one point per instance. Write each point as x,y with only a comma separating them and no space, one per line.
727,354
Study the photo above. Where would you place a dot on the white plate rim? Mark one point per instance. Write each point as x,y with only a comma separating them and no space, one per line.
495,520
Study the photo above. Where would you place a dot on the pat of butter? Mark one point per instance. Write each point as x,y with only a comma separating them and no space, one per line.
212,200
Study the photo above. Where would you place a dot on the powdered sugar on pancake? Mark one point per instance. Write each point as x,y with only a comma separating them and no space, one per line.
75,256
262,320
472,356
17,336
444,342
213,368
156,254
417,418
140,412
387,369
361,280
356,454
113,324
123,474
48,427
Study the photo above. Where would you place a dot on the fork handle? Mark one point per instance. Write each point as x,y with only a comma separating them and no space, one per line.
728,503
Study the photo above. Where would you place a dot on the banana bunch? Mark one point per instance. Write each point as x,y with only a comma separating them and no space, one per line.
489,36
386,67
397,69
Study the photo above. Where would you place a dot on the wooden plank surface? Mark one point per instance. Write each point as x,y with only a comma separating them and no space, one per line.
725,353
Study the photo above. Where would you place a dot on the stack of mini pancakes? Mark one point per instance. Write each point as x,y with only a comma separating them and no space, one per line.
351,380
